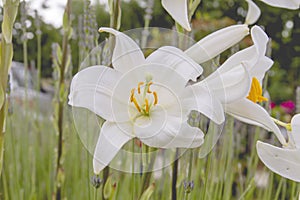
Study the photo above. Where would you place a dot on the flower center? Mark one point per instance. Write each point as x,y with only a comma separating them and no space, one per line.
255,93
143,101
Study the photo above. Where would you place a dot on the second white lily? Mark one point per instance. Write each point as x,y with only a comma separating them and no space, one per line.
284,161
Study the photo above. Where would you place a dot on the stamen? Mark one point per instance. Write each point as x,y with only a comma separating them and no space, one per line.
155,98
255,93
147,106
132,95
149,84
136,104
139,87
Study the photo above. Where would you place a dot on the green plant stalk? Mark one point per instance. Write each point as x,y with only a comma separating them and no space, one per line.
62,100
186,194
115,14
39,61
174,175
10,8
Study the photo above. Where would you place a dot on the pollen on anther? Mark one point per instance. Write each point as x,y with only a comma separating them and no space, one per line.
155,98
147,105
136,104
149,84
139,87
132,95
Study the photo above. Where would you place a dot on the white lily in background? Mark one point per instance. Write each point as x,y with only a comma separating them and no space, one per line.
289,4
284,161
246,108
144,98
178,9
218,41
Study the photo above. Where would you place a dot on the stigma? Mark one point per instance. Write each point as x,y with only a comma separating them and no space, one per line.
255,94
143,98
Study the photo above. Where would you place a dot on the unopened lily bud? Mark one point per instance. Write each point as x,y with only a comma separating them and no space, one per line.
217,42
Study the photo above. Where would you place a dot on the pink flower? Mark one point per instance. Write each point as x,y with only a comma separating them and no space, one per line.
288,106
272,105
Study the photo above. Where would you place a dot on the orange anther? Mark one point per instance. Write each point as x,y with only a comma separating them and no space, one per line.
139,87
149,84
155,98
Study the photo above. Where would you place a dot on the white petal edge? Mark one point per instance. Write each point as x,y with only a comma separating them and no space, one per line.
285,162
126,54
296,130
200,98
92,88
110,141
163,130
217,42
176,59
253,13
178,11
246,109
289,4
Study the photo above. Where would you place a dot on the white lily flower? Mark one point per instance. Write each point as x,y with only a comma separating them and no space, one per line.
283,161
289,4
179,12
147,98
246,108
218,41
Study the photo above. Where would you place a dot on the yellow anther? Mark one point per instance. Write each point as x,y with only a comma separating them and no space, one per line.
255,93
136,104
155,98
132,95
149,84
146,106
139,87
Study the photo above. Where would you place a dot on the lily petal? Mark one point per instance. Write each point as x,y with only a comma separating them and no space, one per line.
285,162
251,55
260,39
127,54
110,141
187,137
217,42
296,130
164,130
200,98
92,88
178,11
261,67
247,111
229,86
289,4
176,59
253,13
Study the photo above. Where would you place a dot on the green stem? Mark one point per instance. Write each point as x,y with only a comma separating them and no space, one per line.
174,175
39,61
95,193
132,173
62,99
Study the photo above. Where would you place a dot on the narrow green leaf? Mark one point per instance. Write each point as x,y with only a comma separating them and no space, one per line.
148,192
2,97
